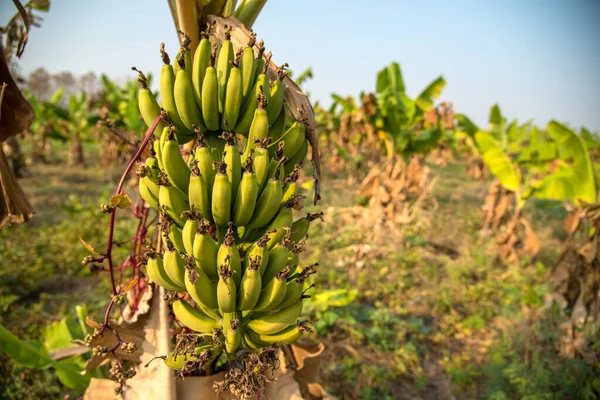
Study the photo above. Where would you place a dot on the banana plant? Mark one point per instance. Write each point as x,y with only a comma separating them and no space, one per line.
75,123
554,164
121,105
398,117
55,351
45,126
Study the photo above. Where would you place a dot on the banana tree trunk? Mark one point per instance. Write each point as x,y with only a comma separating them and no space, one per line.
14,207
76,152
15,156
39,149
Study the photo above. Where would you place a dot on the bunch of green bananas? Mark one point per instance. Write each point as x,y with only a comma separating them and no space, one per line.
224,90
229,239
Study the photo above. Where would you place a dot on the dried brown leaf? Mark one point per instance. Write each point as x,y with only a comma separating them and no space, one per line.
91,323
89,248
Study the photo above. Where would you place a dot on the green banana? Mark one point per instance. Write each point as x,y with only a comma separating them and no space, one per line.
231,156
259,129
224,65
193,318
273,293
261,88
288,335
198,192
261,63
252,343
233,99
295,287
149,108
268,203
221,196
281,224
188,233
184,98
210,95
250,285
278,257
200,64
276,95
156,272
146,193
293,293
172,200
151,170
300,155
233,337
167,87
278,126
205,160
171,231
229,253
247,196
260,251
200,287
175,167
247,67
273,323
226,288
261,161
205,251
292,138
158,151
173,264
301,225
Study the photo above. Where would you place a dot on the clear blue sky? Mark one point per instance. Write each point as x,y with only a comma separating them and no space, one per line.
538,59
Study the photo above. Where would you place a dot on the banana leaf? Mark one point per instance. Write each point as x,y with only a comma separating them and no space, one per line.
389,80
498,161
427,140
559,185
497,126
432,92
466,125
572,150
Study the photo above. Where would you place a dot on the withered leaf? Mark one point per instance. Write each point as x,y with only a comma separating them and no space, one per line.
91,323
89,248
120,200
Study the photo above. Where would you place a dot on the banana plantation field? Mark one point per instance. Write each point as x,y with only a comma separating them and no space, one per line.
434,314
206,229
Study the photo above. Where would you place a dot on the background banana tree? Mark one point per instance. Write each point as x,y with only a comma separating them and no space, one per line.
75,122
45,127
399,119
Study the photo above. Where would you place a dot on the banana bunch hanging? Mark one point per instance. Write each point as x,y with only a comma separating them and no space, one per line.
229,239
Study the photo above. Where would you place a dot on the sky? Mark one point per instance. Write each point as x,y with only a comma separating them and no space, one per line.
538,59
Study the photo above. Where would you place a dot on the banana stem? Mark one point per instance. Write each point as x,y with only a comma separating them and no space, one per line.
188,18
249,10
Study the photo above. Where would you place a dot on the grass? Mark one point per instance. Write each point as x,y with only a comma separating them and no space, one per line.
434,316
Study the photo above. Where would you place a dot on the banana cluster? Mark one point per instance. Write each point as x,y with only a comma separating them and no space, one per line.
217,89
226,210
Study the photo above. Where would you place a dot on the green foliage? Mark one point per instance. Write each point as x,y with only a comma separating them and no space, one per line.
121,103
34,354
552,165
400,117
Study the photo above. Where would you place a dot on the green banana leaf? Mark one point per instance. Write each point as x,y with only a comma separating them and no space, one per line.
498,161
389,80
559,185
572,150
497,126
31,354
466,125
427,140
432,92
